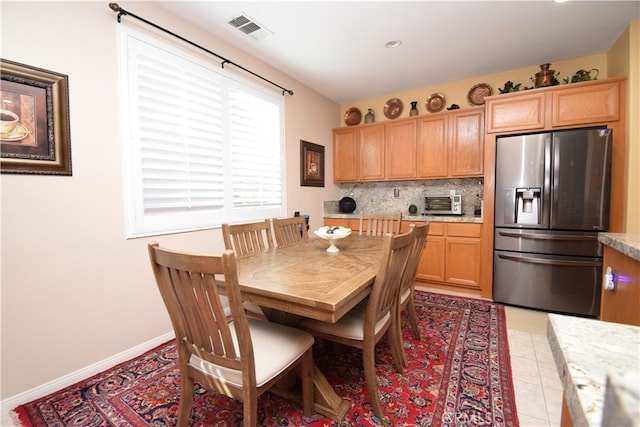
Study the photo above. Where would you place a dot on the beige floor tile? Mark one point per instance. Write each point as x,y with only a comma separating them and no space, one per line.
525,369
525,320
529,421
553,400
530,399
521,345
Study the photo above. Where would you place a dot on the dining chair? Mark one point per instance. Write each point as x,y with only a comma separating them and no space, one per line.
408,283
368,322
377,224
245,239
290,230
236,355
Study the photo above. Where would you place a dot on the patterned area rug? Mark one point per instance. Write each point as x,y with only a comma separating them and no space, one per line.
459,375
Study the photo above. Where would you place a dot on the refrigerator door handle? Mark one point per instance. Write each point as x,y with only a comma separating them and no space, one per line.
534,260
570,237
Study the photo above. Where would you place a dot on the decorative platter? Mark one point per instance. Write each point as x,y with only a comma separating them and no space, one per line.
435,103
352,116
393,108
477,93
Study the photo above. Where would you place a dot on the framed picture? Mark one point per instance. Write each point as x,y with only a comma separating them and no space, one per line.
34,120
311,164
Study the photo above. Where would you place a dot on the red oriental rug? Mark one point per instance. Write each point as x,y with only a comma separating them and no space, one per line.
459,375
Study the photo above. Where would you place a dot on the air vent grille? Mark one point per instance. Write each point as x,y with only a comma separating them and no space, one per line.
249,26
239,21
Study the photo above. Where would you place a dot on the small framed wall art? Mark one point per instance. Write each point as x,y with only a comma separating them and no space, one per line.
34,120
311,164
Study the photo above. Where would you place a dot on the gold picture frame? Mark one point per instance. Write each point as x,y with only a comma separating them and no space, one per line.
311,164
35,136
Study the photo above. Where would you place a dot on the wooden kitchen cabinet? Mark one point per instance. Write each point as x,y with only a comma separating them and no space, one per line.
432,147
359,153
462,258
574,104
432,265
451,144
371,152
353,223
451,258
516,113
621,304
345,154
466,143
585,105
442,145
401,149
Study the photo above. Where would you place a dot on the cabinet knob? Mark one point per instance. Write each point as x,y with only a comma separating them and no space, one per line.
609,280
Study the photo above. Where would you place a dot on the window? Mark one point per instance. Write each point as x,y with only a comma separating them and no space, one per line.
202,147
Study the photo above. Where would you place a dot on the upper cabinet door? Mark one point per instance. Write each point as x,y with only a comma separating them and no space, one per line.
466,143
371,152
401,150
587,104
433,155
515,112
345,154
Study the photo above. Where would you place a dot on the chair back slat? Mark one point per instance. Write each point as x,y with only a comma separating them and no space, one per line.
289,230
384,294
189,286
378,224
245,239
419,241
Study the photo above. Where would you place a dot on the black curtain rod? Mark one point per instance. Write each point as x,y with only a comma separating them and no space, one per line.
121,12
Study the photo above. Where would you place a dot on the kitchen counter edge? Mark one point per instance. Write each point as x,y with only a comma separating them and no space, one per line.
607,364
417,218
628,244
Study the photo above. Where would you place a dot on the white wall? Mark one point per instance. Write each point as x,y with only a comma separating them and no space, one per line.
74,290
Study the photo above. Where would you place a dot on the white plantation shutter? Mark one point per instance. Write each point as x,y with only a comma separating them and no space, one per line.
202,148
255,160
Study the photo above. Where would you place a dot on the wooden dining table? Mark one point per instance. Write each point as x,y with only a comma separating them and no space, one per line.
303,280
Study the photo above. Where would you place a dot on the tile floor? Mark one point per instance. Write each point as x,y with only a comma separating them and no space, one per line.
535,379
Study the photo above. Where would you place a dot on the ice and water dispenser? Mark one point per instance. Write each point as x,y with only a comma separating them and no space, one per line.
522,206
528,205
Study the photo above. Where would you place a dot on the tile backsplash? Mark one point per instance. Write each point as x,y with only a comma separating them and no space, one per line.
381,196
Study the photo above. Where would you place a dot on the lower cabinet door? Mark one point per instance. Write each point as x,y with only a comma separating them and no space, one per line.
463,262
431,266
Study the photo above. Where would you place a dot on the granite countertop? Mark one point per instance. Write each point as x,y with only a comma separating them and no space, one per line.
430,218
594,359
330,209
628,244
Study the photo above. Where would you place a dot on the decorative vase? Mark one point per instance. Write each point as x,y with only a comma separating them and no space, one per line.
414,108
545,76
370,117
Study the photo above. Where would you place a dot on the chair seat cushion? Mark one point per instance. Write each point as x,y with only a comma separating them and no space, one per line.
275,348
350,326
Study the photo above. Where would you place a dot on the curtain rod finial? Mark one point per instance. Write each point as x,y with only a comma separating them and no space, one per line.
114,7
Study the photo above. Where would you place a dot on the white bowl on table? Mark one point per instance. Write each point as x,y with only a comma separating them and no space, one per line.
332,234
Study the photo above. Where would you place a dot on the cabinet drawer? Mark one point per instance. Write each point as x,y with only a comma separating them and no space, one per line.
464,230
436,229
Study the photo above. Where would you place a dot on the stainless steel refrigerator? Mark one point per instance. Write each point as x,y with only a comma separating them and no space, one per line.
551,200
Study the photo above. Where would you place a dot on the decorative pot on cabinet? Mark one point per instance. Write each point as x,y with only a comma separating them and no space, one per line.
370,117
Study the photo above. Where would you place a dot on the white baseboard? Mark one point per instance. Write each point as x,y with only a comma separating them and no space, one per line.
10,403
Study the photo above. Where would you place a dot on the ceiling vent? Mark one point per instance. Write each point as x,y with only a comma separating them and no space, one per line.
249,26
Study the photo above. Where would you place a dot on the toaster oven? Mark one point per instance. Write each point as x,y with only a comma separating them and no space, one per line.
448,205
